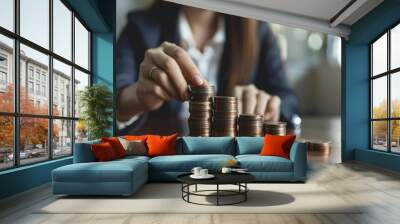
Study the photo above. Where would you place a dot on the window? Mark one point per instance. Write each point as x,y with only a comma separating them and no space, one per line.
7,71
3,61
38,74
385,91
3,78
44,91
81,45
62,137
30,72
7,14
41,123
34,22
62,30
62,74
30,87
3,72
38,89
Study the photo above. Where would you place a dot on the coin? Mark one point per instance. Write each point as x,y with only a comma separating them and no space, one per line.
201,93
318,145
275,128
250,125
225,111
200,109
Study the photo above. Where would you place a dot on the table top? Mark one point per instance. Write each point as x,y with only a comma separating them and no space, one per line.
220,178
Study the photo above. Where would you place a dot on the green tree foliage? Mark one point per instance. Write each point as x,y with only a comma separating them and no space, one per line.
96,102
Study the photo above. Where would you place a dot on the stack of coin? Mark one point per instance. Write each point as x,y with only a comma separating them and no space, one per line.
225,116
250,125
275,128
319,150
200,108
319,146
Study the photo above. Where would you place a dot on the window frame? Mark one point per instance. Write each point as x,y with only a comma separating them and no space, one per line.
388,74
16,115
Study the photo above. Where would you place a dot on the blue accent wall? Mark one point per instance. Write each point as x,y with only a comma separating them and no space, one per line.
355,73
99,15
24,178
102,63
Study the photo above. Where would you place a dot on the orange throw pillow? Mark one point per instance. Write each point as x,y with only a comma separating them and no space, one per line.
116,145
275,145
161,145
135,137
103,152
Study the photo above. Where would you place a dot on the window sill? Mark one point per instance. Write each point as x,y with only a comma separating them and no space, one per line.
382,159
30,166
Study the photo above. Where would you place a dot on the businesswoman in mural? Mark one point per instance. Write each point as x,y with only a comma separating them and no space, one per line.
164,49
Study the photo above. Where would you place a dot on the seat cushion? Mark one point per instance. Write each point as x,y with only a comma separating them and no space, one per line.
112,171
134,157
185,163
257,163
206,145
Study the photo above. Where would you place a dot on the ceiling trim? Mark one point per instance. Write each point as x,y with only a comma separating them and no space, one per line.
268,15
346,12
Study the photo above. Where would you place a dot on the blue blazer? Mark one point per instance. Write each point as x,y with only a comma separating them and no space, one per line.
149,28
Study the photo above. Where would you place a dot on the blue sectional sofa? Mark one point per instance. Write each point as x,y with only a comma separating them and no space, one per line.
125,176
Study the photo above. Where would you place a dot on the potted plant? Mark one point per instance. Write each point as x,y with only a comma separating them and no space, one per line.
96,103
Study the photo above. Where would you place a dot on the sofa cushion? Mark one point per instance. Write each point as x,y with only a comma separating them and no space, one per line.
112,171
257,163
135,137
249,145
116,145
206,145
159,145
185,163
134,147
103,152
275,145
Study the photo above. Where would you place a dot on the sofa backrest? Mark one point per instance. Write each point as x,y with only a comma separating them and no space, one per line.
83,152
249,145
206,145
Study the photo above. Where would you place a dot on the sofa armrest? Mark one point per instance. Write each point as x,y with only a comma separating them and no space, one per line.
83,152
298,155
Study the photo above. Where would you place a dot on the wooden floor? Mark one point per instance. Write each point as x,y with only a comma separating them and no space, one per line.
351,181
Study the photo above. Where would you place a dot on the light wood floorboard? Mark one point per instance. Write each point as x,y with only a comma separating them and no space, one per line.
378,189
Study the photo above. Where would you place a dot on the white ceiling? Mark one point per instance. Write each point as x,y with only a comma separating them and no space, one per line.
321,9
315,15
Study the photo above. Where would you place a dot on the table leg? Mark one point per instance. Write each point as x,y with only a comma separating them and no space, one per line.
188,189
245,193
195,188
217,194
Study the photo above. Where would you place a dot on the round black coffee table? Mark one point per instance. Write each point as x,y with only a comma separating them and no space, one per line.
238,179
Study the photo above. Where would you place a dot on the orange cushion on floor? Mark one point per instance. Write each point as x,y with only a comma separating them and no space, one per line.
275,145
116,145
103,152
135,137
161,145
